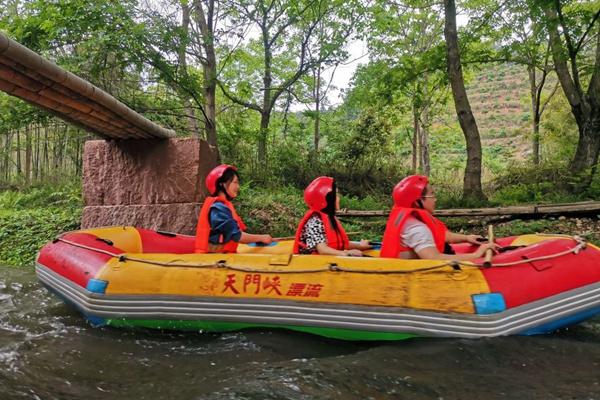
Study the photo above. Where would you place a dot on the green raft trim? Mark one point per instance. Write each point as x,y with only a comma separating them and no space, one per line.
215,326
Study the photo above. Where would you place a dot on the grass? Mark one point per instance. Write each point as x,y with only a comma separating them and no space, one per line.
31,218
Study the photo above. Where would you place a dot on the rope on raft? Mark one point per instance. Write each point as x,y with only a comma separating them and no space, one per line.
455,265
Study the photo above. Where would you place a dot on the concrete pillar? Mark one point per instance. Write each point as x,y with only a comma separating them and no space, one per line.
154,184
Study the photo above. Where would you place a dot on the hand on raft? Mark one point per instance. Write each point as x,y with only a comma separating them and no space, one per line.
364,245
357,248
483,244
265,239
480,252
352,253
475,239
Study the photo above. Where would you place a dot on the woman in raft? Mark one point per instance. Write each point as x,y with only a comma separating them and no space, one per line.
220,228
413,232
320,232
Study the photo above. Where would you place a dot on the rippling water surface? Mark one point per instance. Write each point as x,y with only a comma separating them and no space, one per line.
47,351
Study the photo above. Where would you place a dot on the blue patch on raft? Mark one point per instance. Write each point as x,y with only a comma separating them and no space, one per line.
97,286
260,244
488,303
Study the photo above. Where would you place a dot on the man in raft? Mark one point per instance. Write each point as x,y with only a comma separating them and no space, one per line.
220,228
320,232
413,232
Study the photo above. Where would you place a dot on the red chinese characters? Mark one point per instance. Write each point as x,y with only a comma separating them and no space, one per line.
229,284
256,283
252,280
272,285
305,289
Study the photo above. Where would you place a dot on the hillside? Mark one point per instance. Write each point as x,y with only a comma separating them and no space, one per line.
499,96
500,100
501,103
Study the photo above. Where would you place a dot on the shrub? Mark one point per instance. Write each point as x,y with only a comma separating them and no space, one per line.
24,232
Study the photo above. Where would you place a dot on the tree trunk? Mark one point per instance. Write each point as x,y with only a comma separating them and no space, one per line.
415,140
187,104
210,102
36,156
265,118
19,169
28,133
472,181
317,95
585,107
265,114
46,156
535,124
7,155
209,71
425,164
286,114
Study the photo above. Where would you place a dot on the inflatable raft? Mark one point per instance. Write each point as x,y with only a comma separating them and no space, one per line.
129,277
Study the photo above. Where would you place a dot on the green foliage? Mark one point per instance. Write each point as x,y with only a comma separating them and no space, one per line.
276,211
31,218
24,232
67,195
279,210
547,183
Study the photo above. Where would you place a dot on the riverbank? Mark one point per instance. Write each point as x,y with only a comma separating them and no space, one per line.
32,218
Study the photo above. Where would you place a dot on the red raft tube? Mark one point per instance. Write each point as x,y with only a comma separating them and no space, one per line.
132,277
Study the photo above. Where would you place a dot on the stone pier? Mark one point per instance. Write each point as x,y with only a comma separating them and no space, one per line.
154,183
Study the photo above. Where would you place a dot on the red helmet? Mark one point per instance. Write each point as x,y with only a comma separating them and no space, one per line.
214,175
315,192
409,190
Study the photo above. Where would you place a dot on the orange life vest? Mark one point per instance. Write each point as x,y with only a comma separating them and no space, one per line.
391,246
335,239
203,230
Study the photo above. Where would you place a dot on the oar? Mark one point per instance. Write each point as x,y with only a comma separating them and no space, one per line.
489,253
279,239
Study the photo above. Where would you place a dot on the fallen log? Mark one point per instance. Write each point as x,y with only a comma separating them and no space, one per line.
586,207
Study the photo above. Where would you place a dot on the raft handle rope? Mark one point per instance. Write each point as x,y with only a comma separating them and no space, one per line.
455,265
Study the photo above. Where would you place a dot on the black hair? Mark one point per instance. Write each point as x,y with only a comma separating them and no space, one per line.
419,201
227,176
329,209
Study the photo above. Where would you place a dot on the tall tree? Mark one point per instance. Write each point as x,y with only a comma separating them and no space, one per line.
178,49
568,39
472,181
206,19
527,44
407,36
182,60
286,44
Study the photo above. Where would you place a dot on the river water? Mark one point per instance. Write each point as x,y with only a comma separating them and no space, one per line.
47,351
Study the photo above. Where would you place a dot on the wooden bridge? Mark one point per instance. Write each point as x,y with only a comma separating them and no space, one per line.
26,75
152,181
